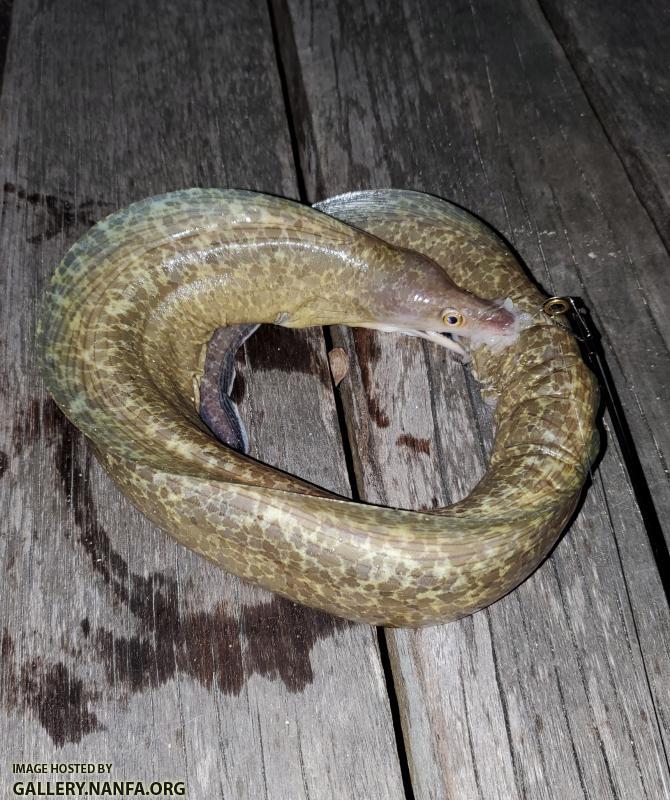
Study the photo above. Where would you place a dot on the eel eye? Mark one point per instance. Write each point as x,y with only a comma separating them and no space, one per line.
452,318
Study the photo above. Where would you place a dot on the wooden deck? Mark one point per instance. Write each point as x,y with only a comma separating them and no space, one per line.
546,117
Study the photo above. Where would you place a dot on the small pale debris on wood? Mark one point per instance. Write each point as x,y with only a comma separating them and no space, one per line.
339,364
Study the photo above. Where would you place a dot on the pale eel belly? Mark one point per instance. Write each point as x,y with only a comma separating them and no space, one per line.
129,313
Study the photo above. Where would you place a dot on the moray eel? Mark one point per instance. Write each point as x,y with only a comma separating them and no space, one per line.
123,336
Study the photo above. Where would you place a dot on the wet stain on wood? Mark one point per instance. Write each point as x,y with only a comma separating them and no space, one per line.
73,474
380,418
27,426
213,647
415,444
368,353
51,692
60,702
61,214
207,646
239,388
291,630
273,347
5,23
4,462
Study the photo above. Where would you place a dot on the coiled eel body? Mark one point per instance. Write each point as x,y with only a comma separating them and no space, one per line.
122,333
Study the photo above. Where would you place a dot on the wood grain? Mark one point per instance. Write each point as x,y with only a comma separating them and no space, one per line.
118,644
620,59
620,56
560,689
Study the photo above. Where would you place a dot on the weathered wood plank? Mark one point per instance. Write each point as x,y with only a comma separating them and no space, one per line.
560,689
118,644
620,57
620,54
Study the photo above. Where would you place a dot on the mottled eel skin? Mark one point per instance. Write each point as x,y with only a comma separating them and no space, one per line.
122,332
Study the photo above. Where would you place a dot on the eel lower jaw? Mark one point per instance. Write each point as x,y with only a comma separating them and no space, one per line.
441,339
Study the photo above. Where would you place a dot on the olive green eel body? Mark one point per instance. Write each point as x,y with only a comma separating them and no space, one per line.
122,332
